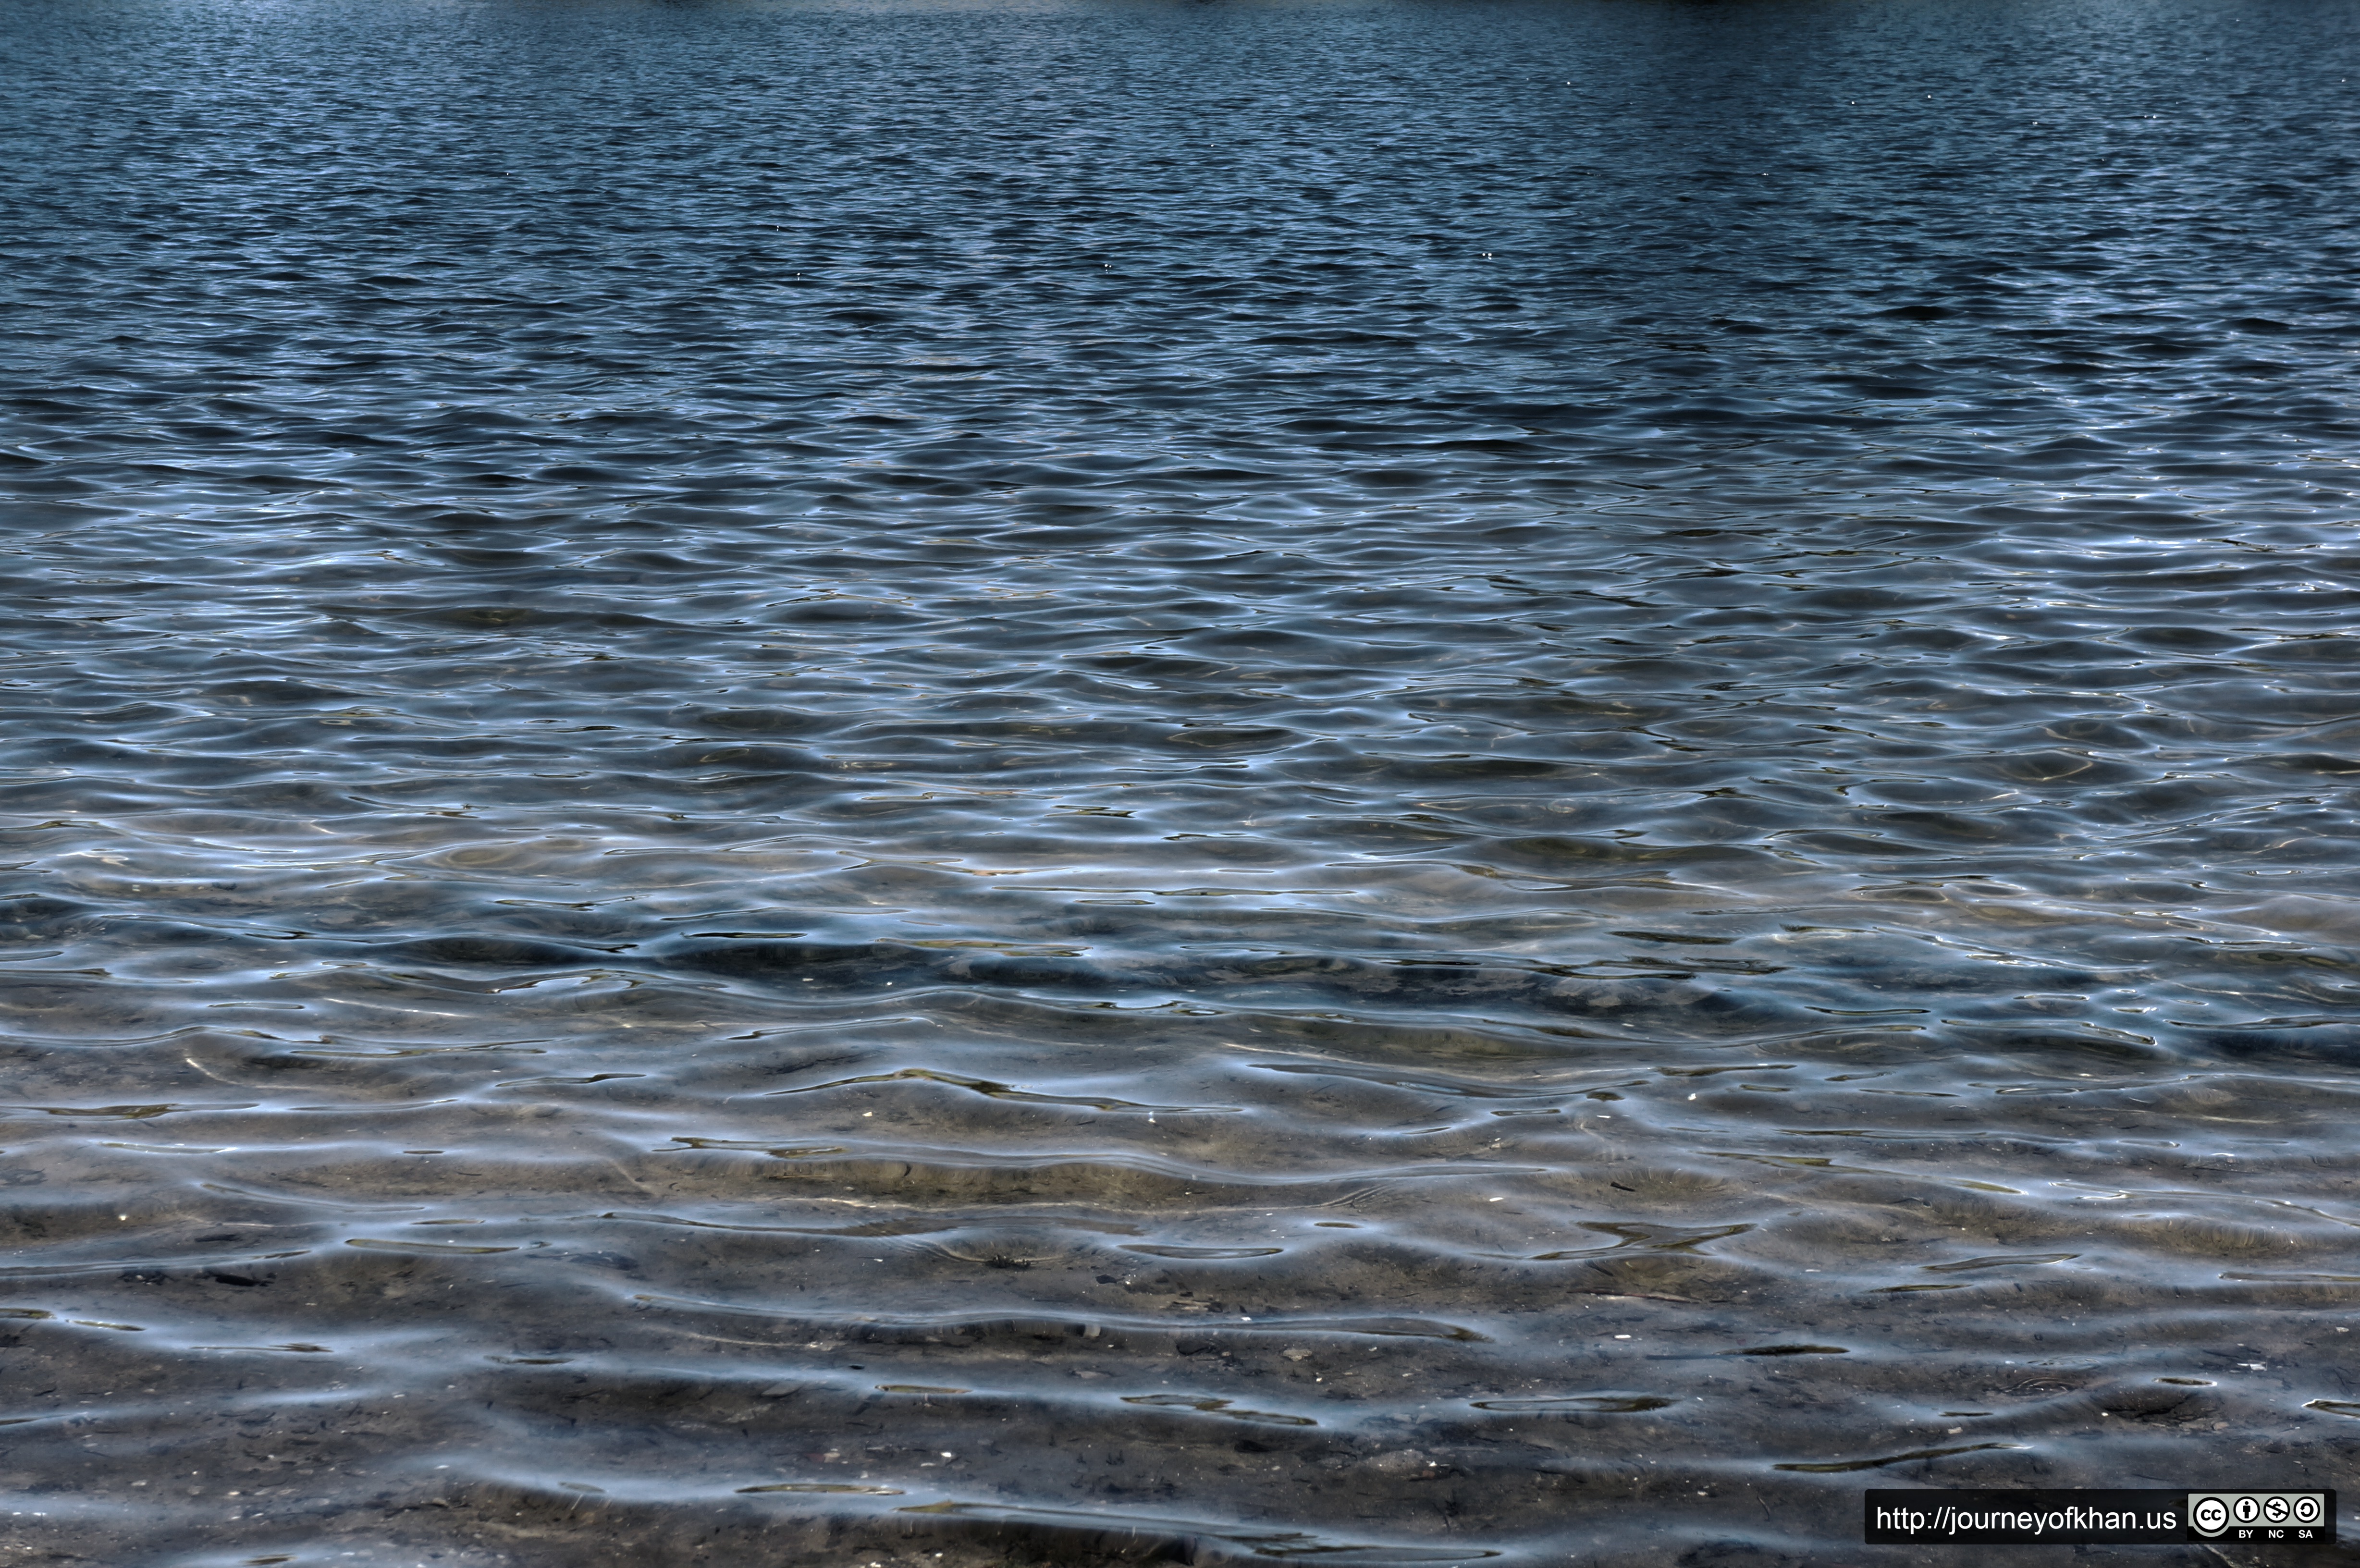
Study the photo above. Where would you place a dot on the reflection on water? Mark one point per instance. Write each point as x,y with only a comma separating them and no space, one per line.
912,783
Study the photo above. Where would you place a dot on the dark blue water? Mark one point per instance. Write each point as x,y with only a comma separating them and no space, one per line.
918,783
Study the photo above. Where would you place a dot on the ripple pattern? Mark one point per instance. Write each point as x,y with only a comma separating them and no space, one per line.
1603,753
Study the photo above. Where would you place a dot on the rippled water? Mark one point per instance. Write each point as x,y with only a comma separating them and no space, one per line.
1389,783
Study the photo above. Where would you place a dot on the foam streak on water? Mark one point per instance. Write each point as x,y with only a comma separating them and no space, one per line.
1401,783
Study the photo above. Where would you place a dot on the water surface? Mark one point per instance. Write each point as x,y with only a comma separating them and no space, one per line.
1378,783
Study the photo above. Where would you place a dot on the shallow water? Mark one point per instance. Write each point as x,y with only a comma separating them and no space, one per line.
1394,782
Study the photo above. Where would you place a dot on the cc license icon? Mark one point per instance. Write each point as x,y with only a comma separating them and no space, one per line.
2211,1515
